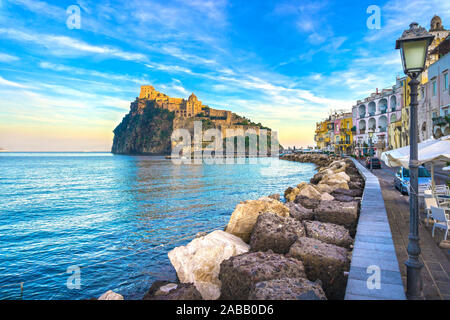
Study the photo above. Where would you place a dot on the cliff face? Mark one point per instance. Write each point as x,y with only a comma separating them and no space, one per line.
146,129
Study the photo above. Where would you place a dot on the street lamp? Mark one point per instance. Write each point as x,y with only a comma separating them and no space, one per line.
413,46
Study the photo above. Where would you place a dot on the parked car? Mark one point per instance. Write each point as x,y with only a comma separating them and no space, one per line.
376,163
401,180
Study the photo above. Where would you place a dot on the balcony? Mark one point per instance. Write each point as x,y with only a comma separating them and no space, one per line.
382,111
383,129
439,121
371,114
362,131
362,115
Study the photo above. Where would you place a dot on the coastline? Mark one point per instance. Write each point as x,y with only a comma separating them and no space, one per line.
298,247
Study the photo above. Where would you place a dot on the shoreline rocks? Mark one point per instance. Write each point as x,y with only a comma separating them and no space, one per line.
241,273
246,213
275,233
199,261
324,262
299,249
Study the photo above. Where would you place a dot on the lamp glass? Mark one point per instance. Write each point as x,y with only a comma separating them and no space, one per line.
414,53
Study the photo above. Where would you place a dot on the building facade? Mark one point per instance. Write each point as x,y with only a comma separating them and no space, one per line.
191,107
335,134
373,115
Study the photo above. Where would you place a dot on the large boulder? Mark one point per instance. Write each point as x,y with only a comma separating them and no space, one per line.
329,233
323,261
359,185
309,191
163,290
287,289
298,212
246,213
346,192
322,187
275,233
110,295
316,178
199,261
342,213
291,193
239,274
343,198
306,202
326,197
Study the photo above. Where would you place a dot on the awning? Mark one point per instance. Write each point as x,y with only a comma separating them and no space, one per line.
435,151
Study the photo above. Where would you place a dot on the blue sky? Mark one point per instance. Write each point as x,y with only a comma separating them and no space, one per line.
285,64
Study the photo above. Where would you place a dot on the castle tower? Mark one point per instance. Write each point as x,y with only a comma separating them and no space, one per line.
436,24
193,106
439,33
146,92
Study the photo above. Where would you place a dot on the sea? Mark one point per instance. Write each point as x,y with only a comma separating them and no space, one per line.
74,225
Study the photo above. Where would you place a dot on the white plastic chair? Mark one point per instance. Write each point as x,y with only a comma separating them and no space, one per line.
422,188
441,220
428,193
430,202
440,190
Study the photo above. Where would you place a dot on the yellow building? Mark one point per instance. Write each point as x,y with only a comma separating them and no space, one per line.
394,134
404,135
345,134
322,137
335,133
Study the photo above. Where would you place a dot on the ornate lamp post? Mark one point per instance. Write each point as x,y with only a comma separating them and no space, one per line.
413,46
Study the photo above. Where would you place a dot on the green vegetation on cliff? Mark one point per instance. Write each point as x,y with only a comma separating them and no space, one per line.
145,130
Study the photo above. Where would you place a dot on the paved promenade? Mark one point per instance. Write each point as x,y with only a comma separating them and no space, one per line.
436,271
373,248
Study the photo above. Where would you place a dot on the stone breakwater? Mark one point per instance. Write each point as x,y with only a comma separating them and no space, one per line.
296,249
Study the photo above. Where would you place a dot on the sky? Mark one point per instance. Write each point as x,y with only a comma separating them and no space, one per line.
285,64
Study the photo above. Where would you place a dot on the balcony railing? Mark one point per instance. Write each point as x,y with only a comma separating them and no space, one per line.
362,131
383,129
383,111
371,114
439,121
362,115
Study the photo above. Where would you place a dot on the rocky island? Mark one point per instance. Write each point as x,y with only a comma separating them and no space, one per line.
153,116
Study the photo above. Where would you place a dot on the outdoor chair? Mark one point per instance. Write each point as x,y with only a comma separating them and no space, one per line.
430,202
441,220
441,190
423,188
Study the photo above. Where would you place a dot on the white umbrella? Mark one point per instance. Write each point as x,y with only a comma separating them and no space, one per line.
431,150
435,151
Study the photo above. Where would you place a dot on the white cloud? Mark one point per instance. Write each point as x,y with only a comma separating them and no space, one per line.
7,83
63,45
7,57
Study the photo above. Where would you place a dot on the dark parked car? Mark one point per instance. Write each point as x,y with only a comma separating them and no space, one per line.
376,163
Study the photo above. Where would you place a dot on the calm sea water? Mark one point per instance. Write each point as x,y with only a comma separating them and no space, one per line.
115,217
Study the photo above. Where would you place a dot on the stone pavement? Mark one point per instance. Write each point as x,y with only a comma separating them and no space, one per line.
436,270
374,251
